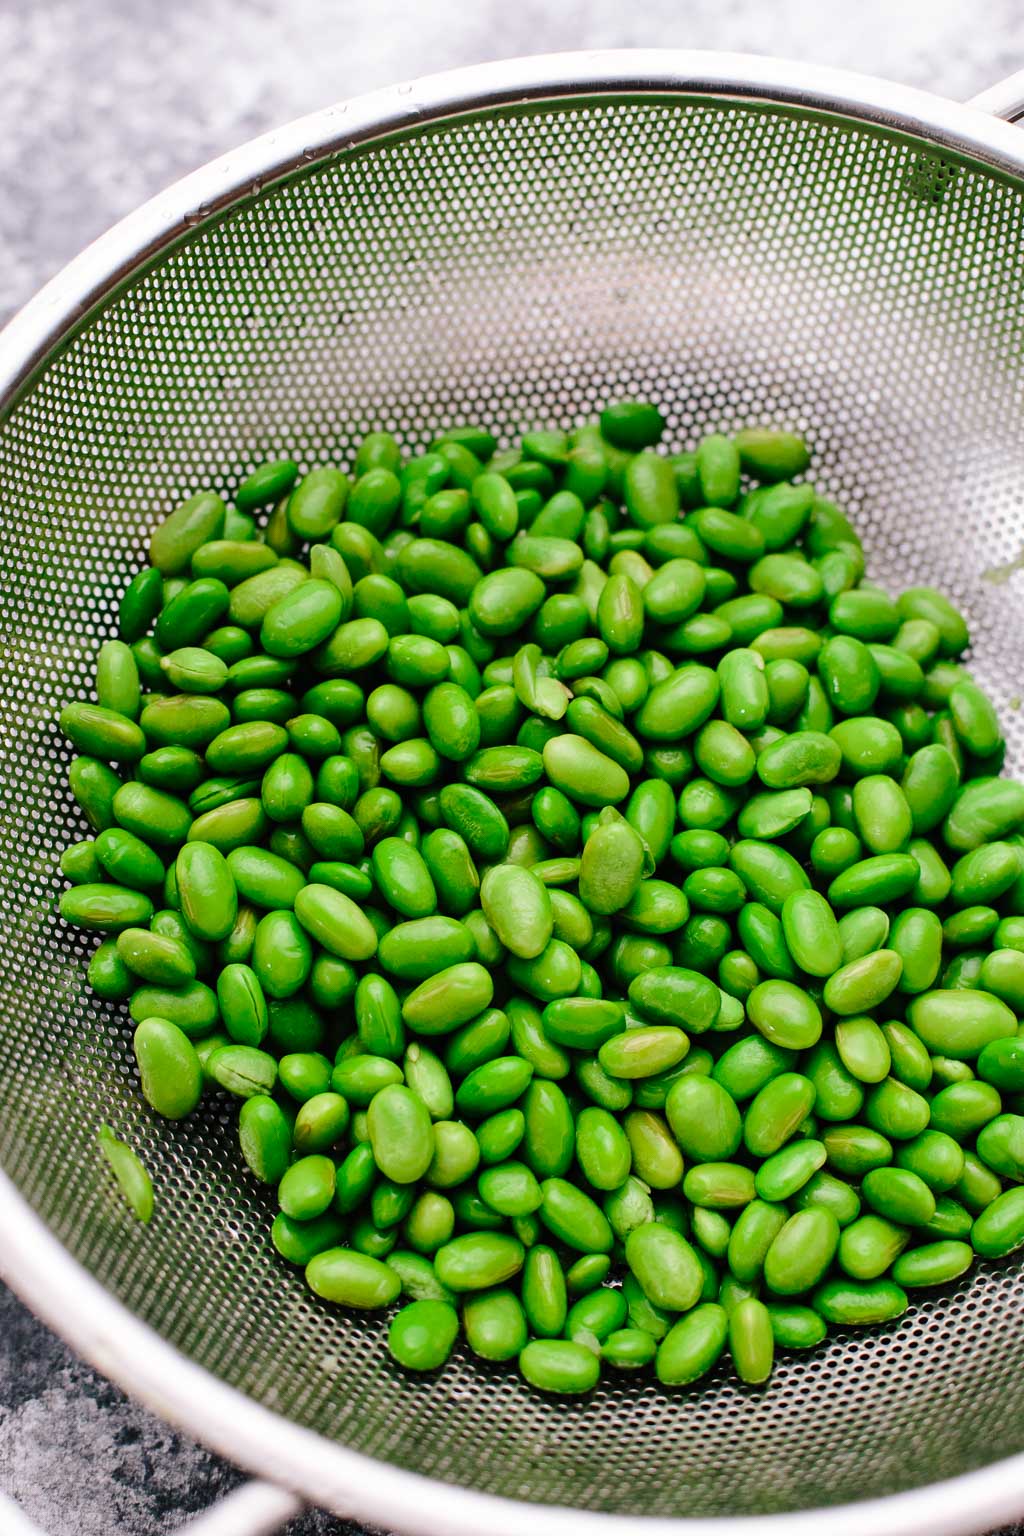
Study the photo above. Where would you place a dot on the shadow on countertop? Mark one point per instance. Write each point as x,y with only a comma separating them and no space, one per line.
82,1459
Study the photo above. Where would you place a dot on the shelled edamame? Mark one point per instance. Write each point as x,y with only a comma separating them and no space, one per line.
602,901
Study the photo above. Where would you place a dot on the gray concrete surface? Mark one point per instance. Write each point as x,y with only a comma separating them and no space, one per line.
104,102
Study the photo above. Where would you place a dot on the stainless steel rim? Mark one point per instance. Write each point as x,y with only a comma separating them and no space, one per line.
34,1262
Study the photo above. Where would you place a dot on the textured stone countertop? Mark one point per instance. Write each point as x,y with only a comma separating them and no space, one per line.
104,102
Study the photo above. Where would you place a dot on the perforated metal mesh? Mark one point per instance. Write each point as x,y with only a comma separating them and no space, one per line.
735,265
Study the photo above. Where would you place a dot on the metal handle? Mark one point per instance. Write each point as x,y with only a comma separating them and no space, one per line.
1005,99
254,1509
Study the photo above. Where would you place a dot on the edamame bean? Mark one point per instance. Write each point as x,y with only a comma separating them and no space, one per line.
812,933
752,1234
796,1327
401,1134
751,1341
704,1119
560,1366
999,1227
693,1345
352,1279
574,1218
478,1261
422,1334
495,1325
870,1245
665,1265
784,1014
171,1077
849,1304
801,1252
960,1024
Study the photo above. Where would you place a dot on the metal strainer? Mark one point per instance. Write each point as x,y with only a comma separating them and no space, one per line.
739,240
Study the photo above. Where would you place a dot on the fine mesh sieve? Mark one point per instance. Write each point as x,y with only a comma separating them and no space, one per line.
741,242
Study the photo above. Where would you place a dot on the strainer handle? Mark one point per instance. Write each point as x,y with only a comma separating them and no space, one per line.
1005,99
254,1509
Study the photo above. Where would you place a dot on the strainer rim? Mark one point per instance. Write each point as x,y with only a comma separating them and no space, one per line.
70,298
35,1263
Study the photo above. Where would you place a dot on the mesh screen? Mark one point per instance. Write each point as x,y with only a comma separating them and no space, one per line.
734,265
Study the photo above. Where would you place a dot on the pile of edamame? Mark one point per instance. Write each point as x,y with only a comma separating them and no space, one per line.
602,902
